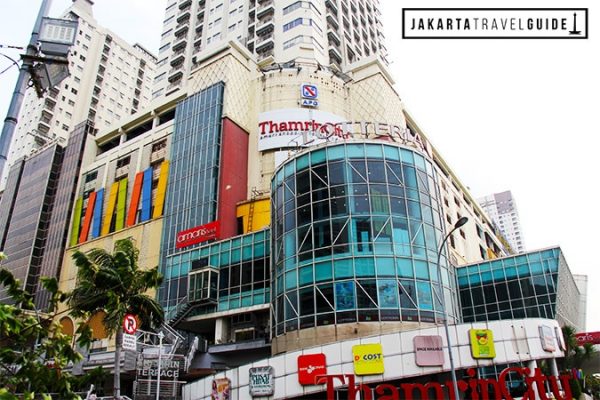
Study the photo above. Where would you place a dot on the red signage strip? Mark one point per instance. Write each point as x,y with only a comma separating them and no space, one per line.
198,234
587,337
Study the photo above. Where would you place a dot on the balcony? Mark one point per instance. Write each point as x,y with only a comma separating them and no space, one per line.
265,9
184,4
246,345
43,127
265,58
158,155
178,57
332,20
184,16
181,30
334,37
265,27
335,55
264,43
179,43
122,172
173,86
330,4
175,75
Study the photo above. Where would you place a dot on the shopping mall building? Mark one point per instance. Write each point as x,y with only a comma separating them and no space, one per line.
296,214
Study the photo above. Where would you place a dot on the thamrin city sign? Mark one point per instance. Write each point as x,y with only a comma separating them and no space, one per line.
298,127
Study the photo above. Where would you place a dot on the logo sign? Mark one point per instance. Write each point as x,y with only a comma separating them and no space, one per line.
303,127
547,337
587,337
170,368
130,324
262,381
221,389
310,366
309,103
309,91
429,350
482,343
129,342
198,234
495,23
368,359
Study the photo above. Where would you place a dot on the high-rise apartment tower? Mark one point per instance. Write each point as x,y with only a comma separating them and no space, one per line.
502,209
109,79
330,32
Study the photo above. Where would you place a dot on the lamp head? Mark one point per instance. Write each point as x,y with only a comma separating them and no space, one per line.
461,222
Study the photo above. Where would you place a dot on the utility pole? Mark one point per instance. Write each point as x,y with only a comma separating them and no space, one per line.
10,122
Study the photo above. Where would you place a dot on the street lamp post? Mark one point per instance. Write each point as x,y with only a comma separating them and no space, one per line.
457,225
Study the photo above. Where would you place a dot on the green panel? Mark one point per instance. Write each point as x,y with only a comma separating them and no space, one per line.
122,197
76,221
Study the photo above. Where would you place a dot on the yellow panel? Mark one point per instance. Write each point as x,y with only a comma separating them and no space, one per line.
482,343
110,210
161,189
368,359
261,214
76,221
66,326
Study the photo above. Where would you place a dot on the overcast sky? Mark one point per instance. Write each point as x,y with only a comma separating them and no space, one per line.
519,115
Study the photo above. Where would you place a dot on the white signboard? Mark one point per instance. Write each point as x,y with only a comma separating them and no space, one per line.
129,342
301,127
547,338
262,381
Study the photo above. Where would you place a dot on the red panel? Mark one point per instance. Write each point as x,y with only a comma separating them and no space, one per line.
135,198
310,366
198,234
587,337
233,182
87,220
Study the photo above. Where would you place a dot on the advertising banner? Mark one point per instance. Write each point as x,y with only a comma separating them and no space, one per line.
587,337
368,359
547,338
197,235
429,350
221,389
482,343
262,381
310,366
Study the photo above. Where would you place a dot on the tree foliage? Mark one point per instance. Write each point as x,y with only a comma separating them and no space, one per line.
33,351
575,355
115,284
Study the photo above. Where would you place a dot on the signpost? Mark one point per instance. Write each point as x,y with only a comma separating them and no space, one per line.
130,324
129,342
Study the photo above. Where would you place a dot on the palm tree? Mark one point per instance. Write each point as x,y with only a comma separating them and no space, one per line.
116,284
575,355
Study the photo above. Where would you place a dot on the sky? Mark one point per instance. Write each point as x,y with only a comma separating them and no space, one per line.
517,115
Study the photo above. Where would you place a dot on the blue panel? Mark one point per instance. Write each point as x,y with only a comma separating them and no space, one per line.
146,195
97,220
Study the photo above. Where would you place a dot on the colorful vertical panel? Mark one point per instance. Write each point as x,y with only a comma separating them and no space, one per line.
110,209
121,201
161,190
146,195
97,223
76,221
87,220
135,199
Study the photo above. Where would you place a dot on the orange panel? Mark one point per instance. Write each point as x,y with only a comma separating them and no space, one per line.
135,198
87,220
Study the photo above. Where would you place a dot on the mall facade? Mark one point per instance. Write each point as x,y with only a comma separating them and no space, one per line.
294,209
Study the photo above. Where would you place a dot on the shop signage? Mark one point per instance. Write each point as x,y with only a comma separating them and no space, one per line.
486,389
221,389
587,337
310,366
301,127
429,350
198,234
129,342
170,368
368,359
262,381
547,337
482,343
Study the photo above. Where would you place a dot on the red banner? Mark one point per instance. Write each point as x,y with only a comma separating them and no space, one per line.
587,337
198,234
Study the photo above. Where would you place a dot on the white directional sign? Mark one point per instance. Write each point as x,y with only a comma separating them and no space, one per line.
129,342
130,324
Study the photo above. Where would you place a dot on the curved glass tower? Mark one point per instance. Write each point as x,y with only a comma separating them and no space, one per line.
356,228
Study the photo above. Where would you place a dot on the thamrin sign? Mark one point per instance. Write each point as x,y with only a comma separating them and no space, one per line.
298,127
